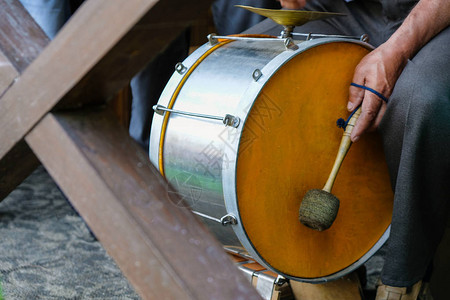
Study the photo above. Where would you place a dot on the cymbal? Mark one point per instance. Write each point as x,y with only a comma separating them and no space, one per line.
290,17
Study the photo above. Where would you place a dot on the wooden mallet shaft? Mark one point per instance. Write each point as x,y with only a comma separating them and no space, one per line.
319,208
346,142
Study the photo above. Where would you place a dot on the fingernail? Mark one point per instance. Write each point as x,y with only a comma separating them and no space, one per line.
355,139
350,106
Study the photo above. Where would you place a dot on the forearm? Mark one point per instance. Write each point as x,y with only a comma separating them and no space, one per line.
427,19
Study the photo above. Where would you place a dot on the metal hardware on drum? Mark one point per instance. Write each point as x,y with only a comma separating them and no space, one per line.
240,251
225,220
207,216
286,37
310,36
228,120
288,42
287,31
228,220
257,74
290,18
248,273
180,68
280,280
212,39
265,284
243,262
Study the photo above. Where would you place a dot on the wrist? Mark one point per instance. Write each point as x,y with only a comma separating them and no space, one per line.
395,56
399,48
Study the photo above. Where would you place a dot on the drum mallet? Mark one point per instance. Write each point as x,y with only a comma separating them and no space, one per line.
319,208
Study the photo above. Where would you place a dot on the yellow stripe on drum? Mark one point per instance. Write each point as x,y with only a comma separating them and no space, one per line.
174,97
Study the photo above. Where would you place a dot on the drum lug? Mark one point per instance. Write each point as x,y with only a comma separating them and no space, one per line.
231,120
228,220
280,280
289,44
212,39
180,68
364,38
257,74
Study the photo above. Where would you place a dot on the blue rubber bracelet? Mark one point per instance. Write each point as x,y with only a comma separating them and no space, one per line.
370,90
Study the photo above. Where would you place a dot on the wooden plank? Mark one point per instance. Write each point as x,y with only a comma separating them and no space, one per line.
7,73
84,43
162,248
15,167
21,39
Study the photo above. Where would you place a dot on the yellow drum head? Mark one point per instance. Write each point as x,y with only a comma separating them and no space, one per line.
288,146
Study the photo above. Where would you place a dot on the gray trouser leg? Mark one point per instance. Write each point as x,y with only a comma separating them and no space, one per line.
416,136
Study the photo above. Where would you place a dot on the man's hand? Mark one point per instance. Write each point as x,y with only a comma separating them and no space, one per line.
379,70
293,4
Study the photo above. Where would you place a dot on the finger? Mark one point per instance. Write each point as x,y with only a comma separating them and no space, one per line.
293,4
370,108
378,119
355,97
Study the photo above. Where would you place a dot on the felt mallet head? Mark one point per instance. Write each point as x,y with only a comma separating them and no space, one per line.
318,209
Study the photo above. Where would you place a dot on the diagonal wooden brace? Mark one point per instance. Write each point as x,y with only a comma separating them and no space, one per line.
21,41
7,73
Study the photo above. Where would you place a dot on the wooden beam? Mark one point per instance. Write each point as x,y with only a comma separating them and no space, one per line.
21,39
162,248
15,167
7,73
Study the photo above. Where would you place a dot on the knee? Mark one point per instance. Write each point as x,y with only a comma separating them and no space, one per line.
419,109
422,93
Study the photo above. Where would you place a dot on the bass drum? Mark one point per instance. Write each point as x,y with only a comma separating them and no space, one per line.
246,179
